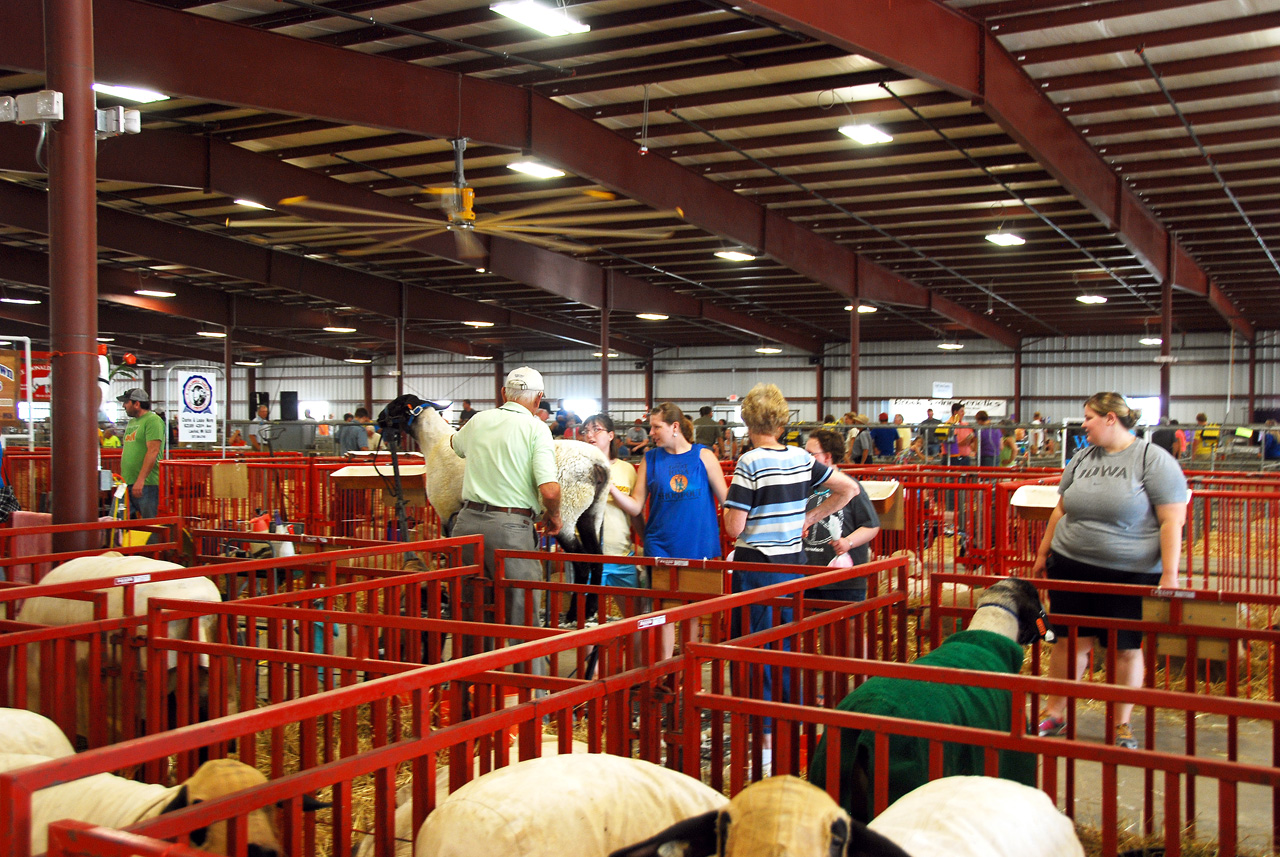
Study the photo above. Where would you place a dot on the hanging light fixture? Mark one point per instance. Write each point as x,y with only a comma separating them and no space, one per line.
357,360
735,254
541,17
478,323
652,316
950,345
1001,238
863,309
537,169
867,135
248,362
768,349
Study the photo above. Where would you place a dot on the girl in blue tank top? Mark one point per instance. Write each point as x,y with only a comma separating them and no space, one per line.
681,482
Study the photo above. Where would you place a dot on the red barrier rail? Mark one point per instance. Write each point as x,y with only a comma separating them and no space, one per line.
33,559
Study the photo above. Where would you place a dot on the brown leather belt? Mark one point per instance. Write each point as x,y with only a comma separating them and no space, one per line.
485,507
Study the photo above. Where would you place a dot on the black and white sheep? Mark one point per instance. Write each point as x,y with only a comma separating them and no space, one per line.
26,732
110,801
52,610
1009,616
582,470
577,805
951,817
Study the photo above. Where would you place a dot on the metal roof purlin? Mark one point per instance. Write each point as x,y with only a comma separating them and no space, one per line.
909,35
276,73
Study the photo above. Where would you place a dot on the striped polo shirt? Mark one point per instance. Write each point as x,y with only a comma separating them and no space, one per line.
772,486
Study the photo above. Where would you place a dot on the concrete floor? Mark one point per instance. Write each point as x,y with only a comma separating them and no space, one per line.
1254,803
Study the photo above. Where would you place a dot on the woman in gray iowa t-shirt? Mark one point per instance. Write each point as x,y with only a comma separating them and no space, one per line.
1121,507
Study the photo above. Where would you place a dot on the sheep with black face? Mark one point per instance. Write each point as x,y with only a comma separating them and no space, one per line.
1009,616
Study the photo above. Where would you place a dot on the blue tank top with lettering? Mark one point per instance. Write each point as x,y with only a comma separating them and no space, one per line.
682,508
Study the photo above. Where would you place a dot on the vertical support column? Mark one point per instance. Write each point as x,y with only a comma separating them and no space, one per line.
499,375
604,358
368,387
251,390
855,347
401,321
227,363
1017,382
820,392
73,269
1166,344
648,384
1253,376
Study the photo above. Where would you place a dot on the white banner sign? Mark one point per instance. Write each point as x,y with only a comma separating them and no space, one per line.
916,410
197,415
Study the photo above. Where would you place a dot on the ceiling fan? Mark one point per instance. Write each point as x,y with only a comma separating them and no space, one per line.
530,224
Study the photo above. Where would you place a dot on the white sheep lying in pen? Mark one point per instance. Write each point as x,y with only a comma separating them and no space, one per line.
951,817
579,805
52,610
404,799
583,475
26,732
978,817
110,801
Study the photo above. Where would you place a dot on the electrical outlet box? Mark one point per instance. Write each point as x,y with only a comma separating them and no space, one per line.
132,121
104,480
8,109
38,108
110,122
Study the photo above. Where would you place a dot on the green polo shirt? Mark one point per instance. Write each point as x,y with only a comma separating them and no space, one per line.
509,453
141,429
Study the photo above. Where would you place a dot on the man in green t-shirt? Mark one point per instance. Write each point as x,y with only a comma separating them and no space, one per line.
140,456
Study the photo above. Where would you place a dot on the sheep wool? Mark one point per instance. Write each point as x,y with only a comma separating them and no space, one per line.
582,471
47,610
404,800
598,803
110,801
24,731
978,817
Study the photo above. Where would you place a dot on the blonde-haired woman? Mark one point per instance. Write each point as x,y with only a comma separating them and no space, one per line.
765,511
1121,506
681,481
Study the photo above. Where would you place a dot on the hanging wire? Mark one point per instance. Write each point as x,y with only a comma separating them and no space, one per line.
1213,167
44,134
857,218
644,124
1020,198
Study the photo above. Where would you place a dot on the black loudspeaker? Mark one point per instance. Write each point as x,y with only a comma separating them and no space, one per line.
255,401
288,404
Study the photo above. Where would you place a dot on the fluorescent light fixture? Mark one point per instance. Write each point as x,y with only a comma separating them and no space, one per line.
652,316
1091,299
212,334
867,135
864,309
130,93
24,301
478,323
248,362
536,169
106,339
768,349
1006,239
481,271
155,293
543,18
333,328
248,203
1150,340
735,255
477,356
951,346
357,360
601,354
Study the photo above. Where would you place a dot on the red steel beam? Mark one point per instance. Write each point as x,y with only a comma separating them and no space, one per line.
19,206
906,35
181,160
221,62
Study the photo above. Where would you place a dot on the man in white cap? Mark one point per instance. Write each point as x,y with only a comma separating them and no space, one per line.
510,477
143,440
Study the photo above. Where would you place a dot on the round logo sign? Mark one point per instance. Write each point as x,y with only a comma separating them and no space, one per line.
197,394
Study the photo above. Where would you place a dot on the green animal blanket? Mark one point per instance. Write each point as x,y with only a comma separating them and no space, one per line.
984,708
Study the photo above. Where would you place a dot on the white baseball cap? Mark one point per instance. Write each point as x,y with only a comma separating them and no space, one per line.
524,378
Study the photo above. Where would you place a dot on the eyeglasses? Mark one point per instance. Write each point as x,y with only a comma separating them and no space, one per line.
592,430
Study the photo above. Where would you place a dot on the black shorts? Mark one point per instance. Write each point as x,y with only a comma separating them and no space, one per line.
1059,567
